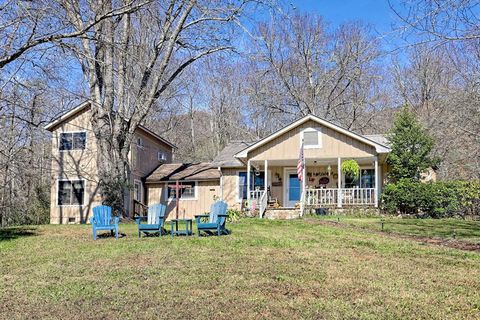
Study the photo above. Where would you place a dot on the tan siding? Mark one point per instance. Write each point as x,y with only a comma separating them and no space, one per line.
73,165
81,164
207,192
334,144
144,159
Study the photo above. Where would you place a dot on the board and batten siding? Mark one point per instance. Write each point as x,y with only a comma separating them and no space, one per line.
82,165
74,165
334,144
207,192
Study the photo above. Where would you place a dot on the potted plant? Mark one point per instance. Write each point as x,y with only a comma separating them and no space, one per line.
351,168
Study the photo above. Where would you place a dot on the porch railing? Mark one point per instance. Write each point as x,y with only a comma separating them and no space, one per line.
258,201
263,203
348,196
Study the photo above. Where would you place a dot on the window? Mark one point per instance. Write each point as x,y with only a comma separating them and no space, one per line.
187,190
161,156
72,141
137,190
367,179
256,181
71,192
140,143
312,138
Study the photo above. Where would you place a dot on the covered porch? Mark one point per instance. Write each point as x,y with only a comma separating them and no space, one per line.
275,184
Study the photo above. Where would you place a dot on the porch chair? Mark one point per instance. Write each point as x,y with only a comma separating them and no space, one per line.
102,220
155,220
216,219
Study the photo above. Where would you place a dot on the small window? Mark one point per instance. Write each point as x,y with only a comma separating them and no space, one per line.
71,192
187,190
312,138
71,220
137,190
140,143
161,156
72,141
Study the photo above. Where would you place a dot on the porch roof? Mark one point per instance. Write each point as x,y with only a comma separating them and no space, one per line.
183,171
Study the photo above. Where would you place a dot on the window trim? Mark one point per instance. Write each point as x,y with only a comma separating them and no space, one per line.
312,129
141,189
71,205
181,199
72,132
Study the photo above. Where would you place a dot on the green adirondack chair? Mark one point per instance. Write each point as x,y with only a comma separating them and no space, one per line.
216,219
155,220
102,220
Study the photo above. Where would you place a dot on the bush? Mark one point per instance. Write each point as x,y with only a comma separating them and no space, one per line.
433,199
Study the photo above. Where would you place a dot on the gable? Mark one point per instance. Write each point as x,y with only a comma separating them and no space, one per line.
333,144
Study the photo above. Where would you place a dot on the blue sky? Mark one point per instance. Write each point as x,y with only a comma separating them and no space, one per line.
374,12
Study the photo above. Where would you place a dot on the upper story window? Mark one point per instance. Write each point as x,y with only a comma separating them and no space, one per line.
312,138
72,141
140,143
161,156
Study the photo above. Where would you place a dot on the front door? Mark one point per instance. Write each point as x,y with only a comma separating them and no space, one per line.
293,188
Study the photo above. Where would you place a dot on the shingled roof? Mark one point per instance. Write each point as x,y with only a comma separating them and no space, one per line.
184,172
226,157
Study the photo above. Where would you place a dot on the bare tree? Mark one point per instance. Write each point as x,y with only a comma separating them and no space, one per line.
130,60
448,20
332,75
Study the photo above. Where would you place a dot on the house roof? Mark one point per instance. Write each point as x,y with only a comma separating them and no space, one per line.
379,147
226,157
184,172
379,138
83,106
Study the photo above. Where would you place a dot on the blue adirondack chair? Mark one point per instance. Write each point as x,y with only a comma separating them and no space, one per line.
155,219
102,220
216,219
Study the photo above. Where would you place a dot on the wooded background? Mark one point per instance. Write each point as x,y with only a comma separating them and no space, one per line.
203,73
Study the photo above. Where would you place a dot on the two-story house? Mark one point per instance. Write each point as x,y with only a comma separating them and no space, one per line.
74,187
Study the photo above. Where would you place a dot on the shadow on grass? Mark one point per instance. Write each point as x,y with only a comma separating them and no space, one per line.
12,233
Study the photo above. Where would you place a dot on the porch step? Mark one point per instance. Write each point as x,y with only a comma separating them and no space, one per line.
282,213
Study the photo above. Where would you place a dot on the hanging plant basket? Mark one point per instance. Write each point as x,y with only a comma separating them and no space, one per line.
351,168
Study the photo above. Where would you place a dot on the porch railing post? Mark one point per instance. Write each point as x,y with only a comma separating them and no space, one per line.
376,182
248,185
339,173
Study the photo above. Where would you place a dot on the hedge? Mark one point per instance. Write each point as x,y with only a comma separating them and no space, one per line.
433,199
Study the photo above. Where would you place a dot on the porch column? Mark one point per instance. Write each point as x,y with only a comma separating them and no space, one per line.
339,191
376,182
221,182
304,184
265,175
248,183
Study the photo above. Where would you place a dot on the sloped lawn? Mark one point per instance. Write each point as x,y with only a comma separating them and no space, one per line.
264,269
463,230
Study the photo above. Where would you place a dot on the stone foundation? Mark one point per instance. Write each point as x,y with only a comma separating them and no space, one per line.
282,214
348,211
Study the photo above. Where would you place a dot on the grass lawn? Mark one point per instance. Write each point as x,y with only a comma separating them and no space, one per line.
264,269
465,230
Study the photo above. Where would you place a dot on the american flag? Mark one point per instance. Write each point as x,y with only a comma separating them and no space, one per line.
301,163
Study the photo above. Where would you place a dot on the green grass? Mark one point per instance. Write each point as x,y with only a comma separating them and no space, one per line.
264,269
464,230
